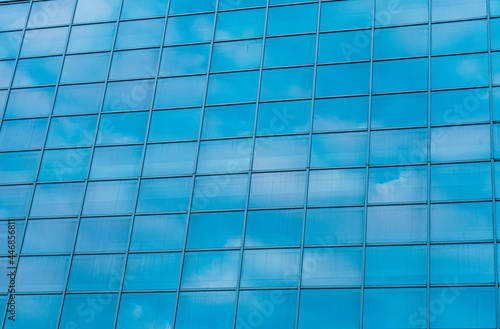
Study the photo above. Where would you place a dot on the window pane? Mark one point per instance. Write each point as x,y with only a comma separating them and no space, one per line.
31,102
118,161
160,232
287,83
220,192
270,268
122,128
36,311
168,194
461,181
57,12
34,71
460,143
283,304
96,10
134,64
85,68
450,10
398,146
334,150
273,228
14,201
340,114
185,60
401,42
6,70
344,46
397,184
461,221
44,42
460,106
115,197
103,234
292,19
215,230
462,263
51,235
69,164
210,269
95,37
387,110
174,125
281,152
22,134
459,71
156,309
13,16
170,159
236,55
240,24
152,271
340,15
181,91
295,50
224,156
339,186
277,189
396,265
139,34
102,320
143,8
329,308
284,117
231,4
214,309
400,75
183,7
396,224
79,99
389,12
18,167
495,32
334,226
186,29
332,266
355,79
96,272
232,87
128,95
57,200
42,273
228,121
459,37
72,131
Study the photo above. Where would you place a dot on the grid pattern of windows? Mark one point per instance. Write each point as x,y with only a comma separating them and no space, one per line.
240,164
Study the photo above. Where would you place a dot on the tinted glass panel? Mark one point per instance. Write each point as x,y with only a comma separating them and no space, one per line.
340,186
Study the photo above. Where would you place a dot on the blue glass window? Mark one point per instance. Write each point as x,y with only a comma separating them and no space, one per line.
57,12
68,164
46,273
10,43
400,75
396,224
101,320
200,270
284,117
231,4
461,181
460,143
287,83
396,265
389,12
355,79
288,152
220,192
342,149
160,232
168,194
339,186
96,11
134,64
122,128
152,271
224,156
494,7
398,146
400,110
72,131
118,161
170,159
30,102
44,42
51,235
187,29
270,268
95,37
401,42
344,46
22,134
340,114
495,32
450,10
174,125
213,309
332,266
460,106
273,228
397,184
33,71
18,167
183,7
128,95
139,34
215,230
240,24
228,121
113,197
236,55
156,309
459,37
334,226
143,8
14,200
459,71
79,99
96,272
232,87
85,68
57,199
277,189
340,15
185,60
294,50
495,67
181,91
13,16
6,70
103,234
40,311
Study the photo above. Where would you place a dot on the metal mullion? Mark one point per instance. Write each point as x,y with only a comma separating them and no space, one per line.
429,88
247,200
145,144
308,168
183,253
65,291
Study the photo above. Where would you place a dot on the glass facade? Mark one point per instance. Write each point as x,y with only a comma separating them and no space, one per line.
237,164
